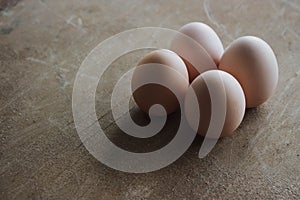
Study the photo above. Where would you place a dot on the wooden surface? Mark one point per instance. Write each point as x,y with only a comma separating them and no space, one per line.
42,44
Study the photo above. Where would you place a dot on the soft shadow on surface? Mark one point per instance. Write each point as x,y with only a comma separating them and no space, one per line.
224,165
142,145
236,145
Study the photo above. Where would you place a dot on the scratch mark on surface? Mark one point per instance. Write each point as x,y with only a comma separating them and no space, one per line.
293,5
61,77
284,32
239,5
63,81
288,30
79,21
287,87
254,141
284,109
209,15
269,114
24,90
52,55
68,21
36,60
15,98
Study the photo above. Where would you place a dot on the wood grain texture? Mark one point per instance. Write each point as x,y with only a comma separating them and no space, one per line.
42,44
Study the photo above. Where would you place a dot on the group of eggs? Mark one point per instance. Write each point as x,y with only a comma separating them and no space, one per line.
247,68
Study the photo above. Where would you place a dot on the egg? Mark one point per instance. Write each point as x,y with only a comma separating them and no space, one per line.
219,91
167,84
199,46
253,63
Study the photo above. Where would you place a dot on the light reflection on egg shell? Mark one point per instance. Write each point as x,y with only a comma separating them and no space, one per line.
235,102
150,94
253,63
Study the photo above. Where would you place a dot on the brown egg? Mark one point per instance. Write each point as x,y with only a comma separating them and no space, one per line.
220,100
199,46
253,63
157,79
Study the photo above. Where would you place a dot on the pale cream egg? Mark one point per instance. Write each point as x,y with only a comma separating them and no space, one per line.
161,75
199,46
219,91
253,63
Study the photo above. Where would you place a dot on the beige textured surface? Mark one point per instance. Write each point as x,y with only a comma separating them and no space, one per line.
42,44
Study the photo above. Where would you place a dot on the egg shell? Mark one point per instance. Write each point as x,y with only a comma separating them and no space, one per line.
253,63
234,103
150,94
202,51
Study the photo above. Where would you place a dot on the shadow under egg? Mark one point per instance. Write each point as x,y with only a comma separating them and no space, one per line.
143,145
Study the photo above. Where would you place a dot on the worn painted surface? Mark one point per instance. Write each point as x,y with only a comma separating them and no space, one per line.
42,44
